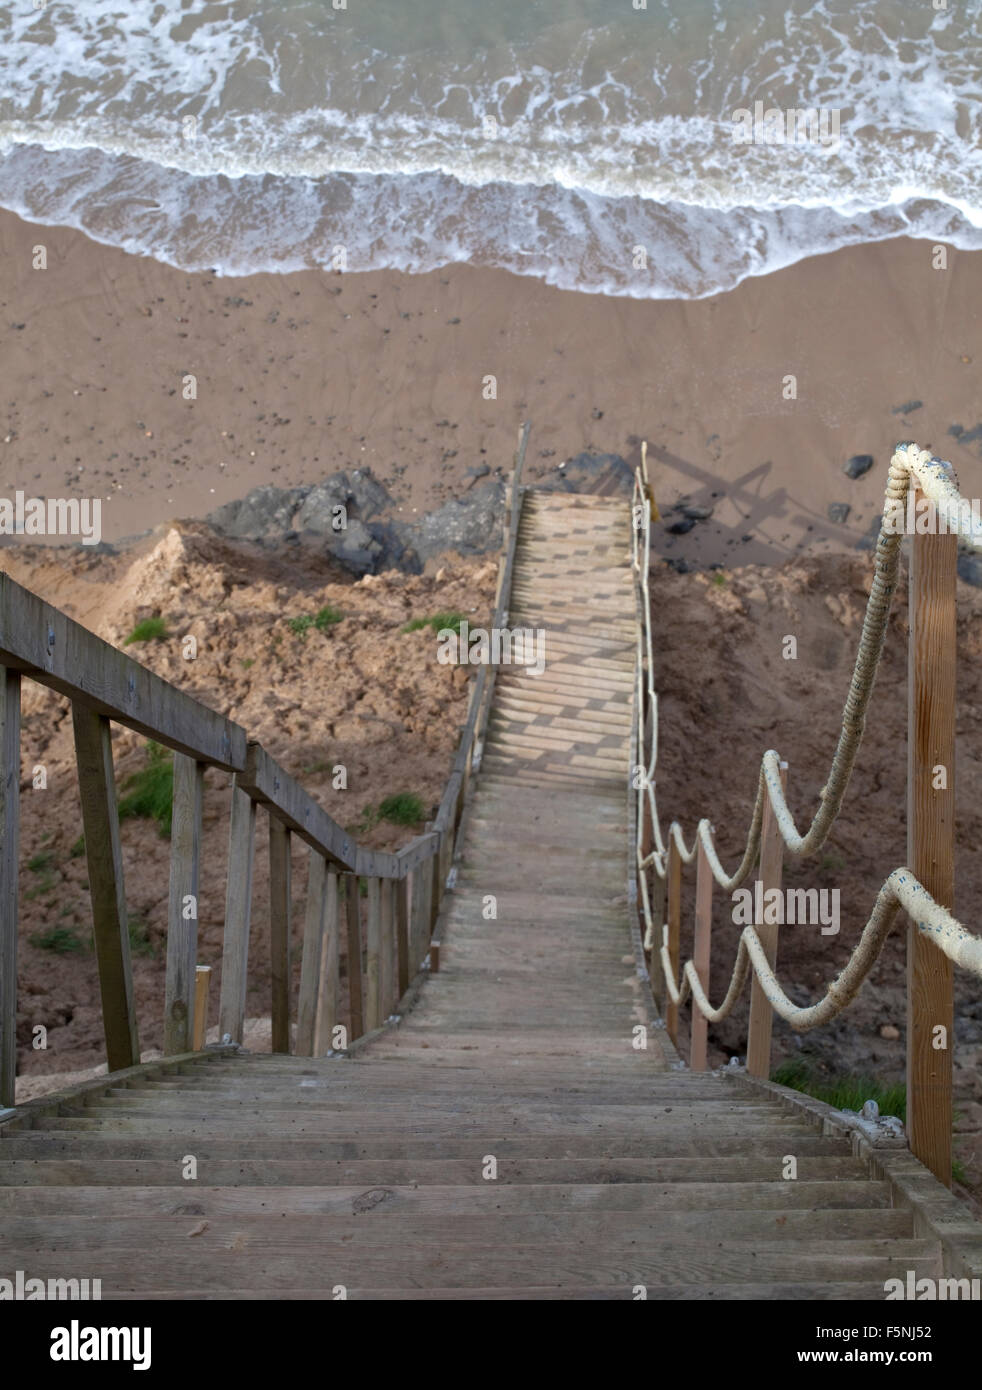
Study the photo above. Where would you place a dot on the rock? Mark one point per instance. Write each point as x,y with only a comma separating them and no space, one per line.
471,528
857,465
965,436
680,528
694,513
838,512
970,568
907,407
597,414
585,471
481,470
679,565
890,1032
263,511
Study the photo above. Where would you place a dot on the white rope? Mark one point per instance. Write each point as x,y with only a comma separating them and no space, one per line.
936,480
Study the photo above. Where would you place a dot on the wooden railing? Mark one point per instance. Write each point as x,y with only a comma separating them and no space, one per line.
388,941
922,889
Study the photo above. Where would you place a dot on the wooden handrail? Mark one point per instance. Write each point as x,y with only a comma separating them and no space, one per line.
405,889
56,651
923,888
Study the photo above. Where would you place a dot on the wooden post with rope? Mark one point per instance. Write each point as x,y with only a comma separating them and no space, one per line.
674,919
761,1013
699,1025
930,843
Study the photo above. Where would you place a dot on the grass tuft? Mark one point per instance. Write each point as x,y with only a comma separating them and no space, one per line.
405,808
150,792
844,1092
320,621
63,941
151,629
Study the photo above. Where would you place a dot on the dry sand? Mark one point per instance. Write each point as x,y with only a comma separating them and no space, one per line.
301,375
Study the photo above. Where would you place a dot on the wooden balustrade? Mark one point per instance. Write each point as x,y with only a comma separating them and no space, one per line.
387,935
932,652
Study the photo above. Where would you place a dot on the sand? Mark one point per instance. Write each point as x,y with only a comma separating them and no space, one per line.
299,376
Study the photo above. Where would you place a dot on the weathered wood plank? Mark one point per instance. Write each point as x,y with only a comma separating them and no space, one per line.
238,915
182,912
404,970
770,873
387,972
268,784
313,944
202,983
279,932
328,1019
58,652
932,648
9,877
373,955
417,851
110,923
356,1010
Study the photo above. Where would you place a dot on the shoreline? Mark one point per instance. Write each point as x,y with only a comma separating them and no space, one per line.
103,343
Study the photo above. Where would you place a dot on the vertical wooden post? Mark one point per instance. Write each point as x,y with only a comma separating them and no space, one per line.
9,850
182,921
699,1026
202,979
415,913
356,1009
280,875
238,915
373,956
110,924
436,897
386,974
310,961
327,999
426,873
402,933
674,920
930,843
769,873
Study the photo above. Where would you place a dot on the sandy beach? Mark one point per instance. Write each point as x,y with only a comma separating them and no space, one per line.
300,375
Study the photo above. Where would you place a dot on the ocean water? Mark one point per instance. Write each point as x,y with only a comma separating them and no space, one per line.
585,142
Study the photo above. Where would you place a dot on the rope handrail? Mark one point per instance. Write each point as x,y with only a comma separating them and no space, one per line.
935,478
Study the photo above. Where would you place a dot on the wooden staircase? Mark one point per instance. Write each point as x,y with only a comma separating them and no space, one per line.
511,1138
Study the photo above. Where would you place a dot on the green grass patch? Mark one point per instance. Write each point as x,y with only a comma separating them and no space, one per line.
41,861
139,934
320,621
63,941
78,848
405,808
438,622
844,1092
150,630
149,793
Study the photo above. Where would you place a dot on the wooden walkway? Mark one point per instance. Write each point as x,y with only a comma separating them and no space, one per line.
508,1139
